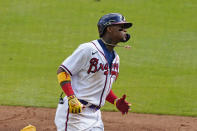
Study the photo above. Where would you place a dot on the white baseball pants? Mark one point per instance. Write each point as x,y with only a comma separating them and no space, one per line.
88,120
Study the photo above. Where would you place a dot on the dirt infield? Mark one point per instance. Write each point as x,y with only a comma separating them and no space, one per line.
15,118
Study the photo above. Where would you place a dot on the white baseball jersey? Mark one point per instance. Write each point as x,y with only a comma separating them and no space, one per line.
91,78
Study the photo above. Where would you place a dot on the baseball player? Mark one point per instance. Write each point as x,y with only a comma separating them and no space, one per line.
87,75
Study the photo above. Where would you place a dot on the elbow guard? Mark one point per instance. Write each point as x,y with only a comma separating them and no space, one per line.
64,80
63,77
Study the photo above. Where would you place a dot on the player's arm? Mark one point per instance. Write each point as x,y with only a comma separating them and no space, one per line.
121,104
64,80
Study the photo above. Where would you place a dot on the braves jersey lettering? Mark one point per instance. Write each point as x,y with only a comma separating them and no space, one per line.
101,67
95,68
115,66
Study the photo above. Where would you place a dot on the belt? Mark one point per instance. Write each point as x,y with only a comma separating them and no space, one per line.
92,106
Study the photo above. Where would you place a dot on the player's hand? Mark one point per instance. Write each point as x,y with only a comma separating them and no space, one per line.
122,105
74,105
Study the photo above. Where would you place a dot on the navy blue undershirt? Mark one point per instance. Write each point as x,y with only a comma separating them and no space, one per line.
108,54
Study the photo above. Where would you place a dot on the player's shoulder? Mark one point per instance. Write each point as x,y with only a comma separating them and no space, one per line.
116,56
87,46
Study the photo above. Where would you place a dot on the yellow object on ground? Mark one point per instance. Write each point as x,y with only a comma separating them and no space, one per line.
29,128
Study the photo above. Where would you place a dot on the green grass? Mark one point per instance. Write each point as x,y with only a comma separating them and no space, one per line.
159,73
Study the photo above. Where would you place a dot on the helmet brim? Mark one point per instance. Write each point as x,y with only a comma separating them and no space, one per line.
126,24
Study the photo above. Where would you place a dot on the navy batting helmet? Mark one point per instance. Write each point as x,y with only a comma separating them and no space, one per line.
111,19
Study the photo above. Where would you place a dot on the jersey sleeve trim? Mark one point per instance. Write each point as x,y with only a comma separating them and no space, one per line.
66,69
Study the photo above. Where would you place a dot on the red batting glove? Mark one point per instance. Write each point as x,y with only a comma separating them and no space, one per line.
122,105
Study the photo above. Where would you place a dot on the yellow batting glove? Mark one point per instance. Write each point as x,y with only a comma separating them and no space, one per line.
74,105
